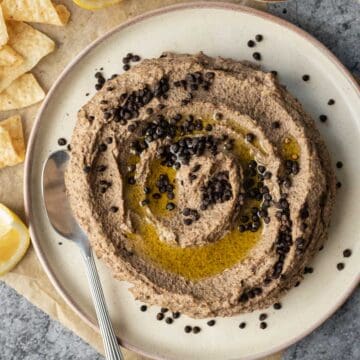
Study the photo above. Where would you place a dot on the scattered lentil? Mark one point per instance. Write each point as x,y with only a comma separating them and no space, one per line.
187,328
160,316
262,316
323,118
263,325
257,56
62,141
176,314
347,253
169,320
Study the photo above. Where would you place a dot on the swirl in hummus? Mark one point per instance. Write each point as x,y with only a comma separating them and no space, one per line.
202,182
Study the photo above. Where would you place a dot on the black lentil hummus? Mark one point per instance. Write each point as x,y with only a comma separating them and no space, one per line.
202,182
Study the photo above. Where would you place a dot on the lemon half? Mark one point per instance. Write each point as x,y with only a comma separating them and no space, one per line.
95,4
14,239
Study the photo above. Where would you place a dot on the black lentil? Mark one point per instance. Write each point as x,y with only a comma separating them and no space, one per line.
145,202
143,308
86,169
256,56
250,137
340,266
323,118
262,317
347,253
188,221
62,141
187,328
102,147
160,316
170,206
219,116
176,314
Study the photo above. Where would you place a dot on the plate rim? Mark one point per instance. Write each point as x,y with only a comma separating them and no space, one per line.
33,135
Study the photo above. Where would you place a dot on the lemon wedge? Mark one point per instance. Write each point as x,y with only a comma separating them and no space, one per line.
14,239
95,4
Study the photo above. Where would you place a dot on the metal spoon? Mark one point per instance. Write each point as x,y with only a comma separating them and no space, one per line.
61,218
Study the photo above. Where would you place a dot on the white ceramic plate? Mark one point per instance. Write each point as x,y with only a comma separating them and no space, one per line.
216,29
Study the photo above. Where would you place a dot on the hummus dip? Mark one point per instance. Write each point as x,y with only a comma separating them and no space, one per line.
201,181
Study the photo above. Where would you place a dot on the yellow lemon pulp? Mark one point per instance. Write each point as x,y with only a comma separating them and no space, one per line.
14,239
95,4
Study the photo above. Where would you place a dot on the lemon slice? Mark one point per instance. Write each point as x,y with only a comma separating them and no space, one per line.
14,239
95,4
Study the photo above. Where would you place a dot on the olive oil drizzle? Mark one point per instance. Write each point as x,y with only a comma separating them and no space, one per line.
290,149
197,262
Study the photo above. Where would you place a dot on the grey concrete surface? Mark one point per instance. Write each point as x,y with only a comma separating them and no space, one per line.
336,23
26,333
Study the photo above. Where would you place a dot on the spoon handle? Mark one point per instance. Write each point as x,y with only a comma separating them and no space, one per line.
112,349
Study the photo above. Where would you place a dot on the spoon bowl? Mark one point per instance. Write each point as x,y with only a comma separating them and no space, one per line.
56,201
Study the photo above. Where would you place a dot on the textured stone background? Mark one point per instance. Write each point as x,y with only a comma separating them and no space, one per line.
26,333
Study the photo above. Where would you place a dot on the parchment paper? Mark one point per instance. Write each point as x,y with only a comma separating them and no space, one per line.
28,278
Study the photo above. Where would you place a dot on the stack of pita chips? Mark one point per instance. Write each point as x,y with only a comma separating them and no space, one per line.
21,48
